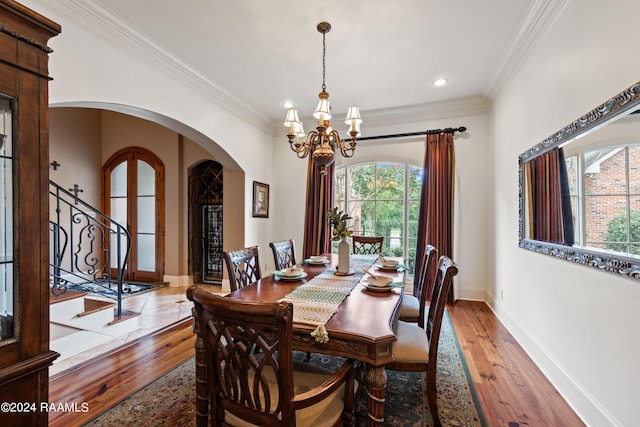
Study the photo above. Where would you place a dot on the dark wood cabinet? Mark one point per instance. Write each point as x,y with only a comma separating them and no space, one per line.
25,356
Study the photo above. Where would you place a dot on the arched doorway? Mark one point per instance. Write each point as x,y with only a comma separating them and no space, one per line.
205,222
133,195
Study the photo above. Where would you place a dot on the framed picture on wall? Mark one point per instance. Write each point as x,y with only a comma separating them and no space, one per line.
260,200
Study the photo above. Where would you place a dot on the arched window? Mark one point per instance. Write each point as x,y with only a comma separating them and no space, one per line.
133,195
384,200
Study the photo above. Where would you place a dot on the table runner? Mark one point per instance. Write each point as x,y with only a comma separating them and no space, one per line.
317,300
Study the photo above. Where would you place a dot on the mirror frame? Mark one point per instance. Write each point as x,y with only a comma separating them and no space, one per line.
603,260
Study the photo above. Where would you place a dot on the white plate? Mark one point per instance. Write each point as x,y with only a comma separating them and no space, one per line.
309,261
292,278
382,267
374,288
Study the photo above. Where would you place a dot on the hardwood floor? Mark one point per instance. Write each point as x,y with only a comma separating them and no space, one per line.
511,389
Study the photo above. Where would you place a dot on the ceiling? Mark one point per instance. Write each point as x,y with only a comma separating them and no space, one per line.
381,54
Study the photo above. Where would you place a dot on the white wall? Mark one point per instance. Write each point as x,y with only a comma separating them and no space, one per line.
578,324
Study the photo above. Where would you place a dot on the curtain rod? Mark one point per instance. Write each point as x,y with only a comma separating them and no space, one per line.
426,132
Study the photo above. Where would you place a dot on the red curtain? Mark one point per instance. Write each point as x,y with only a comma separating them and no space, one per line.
317,232
549,203
435,221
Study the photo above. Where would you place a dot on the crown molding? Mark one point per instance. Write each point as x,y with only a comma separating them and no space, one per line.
431,111
539,18
90,15
411,114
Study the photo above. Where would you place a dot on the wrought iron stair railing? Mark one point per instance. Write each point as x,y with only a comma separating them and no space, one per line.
89,250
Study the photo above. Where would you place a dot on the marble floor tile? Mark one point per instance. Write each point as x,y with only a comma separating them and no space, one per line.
158,309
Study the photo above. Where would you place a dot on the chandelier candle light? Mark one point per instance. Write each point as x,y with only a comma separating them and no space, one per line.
322,142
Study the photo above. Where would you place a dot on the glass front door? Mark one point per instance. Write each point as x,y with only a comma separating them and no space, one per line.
134,181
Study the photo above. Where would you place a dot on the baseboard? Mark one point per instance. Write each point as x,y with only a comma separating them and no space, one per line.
580,400
472,294
179,280
226,286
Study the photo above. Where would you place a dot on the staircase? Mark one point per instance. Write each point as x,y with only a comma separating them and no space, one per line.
88,249
79,322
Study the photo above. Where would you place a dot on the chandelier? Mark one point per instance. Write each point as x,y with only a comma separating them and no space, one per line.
322,142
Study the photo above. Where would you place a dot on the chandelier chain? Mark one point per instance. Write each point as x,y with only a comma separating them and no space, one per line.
324,51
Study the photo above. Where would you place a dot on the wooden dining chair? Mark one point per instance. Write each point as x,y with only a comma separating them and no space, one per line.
414,306
262,388
367,245
284,254
243,266
416,348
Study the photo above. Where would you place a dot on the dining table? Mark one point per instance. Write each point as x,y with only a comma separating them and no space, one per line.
361,328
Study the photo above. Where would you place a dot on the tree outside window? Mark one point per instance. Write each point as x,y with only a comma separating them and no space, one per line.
383,200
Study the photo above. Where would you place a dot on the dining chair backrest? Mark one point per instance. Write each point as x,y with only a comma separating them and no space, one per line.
249,362
367,245
284,254
416,348
442,285
243,266
424,276
238,374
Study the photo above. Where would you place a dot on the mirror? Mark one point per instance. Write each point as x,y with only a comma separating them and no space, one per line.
579,189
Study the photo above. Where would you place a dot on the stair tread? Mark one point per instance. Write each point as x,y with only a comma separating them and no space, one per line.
94,306
126,315
77,342
68,295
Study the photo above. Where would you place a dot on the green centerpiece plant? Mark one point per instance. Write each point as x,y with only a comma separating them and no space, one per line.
338,220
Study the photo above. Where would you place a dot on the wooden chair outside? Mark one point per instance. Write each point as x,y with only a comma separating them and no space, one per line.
243,267
259,388
367,245
284,254
416,349
413,306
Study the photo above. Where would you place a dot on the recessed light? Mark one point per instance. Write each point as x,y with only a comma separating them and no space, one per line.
287,104
440,82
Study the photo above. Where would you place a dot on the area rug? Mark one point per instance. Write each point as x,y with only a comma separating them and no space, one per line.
170,400
128,289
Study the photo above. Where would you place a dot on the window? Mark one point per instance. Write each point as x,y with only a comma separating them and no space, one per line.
383,198
604,186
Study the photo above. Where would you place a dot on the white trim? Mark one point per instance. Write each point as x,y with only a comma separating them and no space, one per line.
226,287
469,294
539,18
183,280
424,112
92,16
